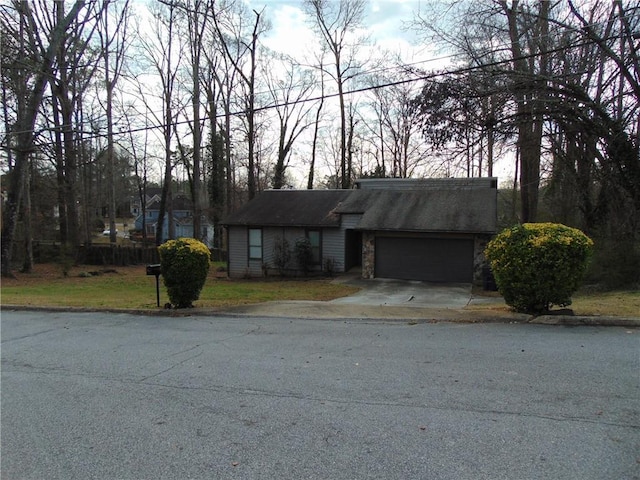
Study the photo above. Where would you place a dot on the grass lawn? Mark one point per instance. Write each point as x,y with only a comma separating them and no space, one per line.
130,287
625,303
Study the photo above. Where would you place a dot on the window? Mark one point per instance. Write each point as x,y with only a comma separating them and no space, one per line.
315,241
255,243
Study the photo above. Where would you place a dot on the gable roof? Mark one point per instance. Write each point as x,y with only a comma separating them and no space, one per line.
291,208
464,210
179,202
434,205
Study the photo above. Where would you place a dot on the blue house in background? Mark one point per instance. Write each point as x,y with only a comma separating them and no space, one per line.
182,219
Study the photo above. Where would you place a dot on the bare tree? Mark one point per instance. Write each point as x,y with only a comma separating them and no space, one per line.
23,141
164,51
316,130
396,127
289,94
113,41
235,47
336,21
198,14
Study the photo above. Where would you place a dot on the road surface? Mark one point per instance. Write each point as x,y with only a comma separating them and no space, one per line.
118,396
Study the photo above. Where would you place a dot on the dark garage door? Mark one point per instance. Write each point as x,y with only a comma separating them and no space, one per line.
426,259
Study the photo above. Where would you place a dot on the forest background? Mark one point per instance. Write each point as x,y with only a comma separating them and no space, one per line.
104,99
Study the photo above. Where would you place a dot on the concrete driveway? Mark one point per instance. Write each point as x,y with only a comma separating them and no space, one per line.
388,299
390,292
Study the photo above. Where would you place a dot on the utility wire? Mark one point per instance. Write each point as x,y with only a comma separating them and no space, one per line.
425,77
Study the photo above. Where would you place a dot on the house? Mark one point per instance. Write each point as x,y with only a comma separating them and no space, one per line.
431,230
182,209
152,194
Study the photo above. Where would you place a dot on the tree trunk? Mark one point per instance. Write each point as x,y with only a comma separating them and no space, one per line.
24,139
27,264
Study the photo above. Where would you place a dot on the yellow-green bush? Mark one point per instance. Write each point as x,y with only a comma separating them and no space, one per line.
184,264
537,265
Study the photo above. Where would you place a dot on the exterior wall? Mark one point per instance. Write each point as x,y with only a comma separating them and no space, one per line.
238,249
350,220
270,237
240,265
333,248
368,255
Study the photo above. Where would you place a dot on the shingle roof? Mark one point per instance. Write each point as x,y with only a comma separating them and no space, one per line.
179,202
444,205
304,208
464,210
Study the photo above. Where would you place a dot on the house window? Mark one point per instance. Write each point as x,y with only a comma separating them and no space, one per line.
255,243
315,238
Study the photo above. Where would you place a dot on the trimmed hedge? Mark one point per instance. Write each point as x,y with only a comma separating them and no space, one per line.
184,264
537,265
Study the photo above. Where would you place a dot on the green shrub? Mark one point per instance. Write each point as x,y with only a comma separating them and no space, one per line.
184,264
537,265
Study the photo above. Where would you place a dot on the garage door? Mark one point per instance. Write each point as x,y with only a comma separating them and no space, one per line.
426,259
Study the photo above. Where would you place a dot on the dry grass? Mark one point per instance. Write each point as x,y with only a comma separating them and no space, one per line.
624,303
130,287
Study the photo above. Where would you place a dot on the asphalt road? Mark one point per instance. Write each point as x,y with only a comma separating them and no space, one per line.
117,396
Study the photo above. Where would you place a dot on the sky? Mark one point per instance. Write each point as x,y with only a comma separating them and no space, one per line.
384,20
388,23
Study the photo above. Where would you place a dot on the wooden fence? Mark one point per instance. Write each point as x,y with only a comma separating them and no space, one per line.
118,255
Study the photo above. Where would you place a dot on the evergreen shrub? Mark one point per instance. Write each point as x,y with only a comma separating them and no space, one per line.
537,265
184,264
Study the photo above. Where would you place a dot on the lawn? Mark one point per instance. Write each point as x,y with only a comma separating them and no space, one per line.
130,288
624,303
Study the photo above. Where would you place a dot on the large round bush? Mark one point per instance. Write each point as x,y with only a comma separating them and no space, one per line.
537,265
184,264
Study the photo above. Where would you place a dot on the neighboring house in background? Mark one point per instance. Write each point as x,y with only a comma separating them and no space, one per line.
182,219
151,195
431,230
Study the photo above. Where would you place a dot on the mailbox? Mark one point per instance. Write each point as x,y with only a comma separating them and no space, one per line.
154,269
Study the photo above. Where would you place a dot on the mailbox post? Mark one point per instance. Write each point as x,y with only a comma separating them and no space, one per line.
155,270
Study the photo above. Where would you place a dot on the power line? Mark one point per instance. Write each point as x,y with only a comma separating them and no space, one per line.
425,77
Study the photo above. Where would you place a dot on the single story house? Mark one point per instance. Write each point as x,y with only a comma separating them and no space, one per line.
430,230
182,209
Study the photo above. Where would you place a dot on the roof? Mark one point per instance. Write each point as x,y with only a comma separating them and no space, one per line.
426,183
301,208
179,202
464,210
434,205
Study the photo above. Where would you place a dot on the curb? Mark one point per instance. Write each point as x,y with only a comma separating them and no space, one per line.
328,311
